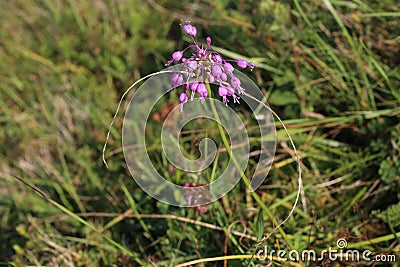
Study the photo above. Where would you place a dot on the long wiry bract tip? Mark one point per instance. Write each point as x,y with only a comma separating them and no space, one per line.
118,108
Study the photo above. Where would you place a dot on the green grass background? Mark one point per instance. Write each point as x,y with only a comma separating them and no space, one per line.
330,69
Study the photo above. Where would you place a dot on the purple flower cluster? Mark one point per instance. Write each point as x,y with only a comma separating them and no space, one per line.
205,65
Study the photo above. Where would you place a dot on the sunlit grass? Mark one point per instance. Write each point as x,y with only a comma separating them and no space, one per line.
329,69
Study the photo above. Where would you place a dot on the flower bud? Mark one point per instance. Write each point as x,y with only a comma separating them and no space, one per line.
176,79
189,29
183,98
242,63
176,56
216,71
217,58
208,41
223,77
222,91
235,82
192,65
228,68
202,90
194,86
211,78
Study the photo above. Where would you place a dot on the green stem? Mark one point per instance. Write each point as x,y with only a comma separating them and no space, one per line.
373,241
244,177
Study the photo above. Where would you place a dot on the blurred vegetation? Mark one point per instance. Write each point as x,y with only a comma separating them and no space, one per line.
329,68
